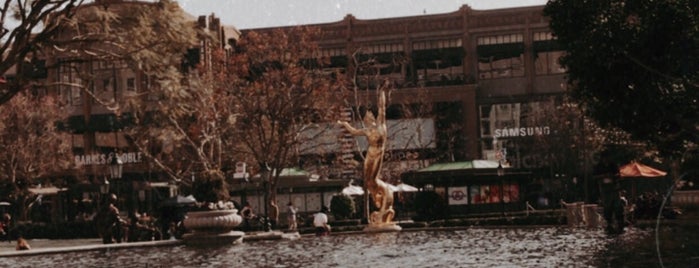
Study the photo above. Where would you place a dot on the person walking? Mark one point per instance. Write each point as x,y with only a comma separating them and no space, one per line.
291,216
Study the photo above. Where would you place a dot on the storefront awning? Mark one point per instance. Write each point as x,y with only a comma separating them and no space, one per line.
46,190
460,165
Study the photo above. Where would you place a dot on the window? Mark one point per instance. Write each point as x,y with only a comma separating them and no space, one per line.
500,56
69,83
106,85
438,62
509,130
381,62
547,53
131,84
494,193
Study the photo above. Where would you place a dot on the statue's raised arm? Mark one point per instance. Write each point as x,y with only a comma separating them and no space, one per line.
351,129
381,117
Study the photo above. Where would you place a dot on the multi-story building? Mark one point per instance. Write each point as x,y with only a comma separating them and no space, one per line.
92,79
487,76
484,74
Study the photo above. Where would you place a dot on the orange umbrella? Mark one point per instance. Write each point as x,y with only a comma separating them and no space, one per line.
635,169
638,170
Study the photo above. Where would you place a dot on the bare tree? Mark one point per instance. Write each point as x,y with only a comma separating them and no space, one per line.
281,92
190,131
27,29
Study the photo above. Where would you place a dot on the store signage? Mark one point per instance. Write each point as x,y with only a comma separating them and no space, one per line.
105,159
458,196
522,132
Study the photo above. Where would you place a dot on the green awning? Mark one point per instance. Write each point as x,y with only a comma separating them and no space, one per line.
448,166
293,172
461,165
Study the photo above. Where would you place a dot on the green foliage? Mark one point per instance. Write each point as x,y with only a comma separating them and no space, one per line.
429,206
210,187
634,65
30,146
26,27
342,207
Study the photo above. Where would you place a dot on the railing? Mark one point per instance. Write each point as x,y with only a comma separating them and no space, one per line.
684,198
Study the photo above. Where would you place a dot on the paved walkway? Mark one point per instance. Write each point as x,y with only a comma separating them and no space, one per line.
46,246
9,246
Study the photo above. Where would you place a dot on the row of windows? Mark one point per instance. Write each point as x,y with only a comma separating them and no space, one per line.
500,39
482,194
434,63
110,79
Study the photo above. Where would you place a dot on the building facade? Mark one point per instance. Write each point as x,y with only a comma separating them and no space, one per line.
485,76
488,75
490,80
95,81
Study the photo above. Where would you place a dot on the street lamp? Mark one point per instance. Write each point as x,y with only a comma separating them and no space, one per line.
104,188
116,166
115,169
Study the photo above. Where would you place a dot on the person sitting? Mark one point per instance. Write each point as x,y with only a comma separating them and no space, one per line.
5,227
22,244
247,215
320,222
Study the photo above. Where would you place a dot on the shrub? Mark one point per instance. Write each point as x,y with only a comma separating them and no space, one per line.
210,187
429,206
342,207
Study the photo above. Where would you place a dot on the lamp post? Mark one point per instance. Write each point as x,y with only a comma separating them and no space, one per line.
115,169
104,190
500,173
500,170
265,182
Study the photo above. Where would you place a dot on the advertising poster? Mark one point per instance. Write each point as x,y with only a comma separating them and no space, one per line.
458,195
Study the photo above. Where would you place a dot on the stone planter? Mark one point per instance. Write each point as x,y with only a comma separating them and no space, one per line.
212,227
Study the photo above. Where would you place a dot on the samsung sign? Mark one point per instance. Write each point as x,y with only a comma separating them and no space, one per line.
522,132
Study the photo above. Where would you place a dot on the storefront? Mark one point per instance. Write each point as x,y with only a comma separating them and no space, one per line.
477,186
307,192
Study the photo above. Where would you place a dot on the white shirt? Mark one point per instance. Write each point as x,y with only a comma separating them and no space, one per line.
320,219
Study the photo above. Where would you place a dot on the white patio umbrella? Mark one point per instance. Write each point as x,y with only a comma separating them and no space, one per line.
352,190
402,187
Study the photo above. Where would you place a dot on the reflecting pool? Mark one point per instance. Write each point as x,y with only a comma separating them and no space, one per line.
473,247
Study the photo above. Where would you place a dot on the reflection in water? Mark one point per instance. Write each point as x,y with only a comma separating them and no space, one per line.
475,247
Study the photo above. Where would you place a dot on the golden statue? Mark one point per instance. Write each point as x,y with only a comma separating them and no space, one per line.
375,131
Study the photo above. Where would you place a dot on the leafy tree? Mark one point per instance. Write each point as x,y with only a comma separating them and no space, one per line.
281,91
31,148
189,131
146,39
633,65
574,142
26,29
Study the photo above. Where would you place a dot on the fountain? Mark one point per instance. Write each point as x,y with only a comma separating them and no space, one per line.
213,227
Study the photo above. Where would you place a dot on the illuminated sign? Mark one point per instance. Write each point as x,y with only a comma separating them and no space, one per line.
105,159
521,132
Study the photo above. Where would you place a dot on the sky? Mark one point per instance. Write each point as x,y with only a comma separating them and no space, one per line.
249,14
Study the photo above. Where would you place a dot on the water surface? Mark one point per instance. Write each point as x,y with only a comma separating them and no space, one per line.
473,247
